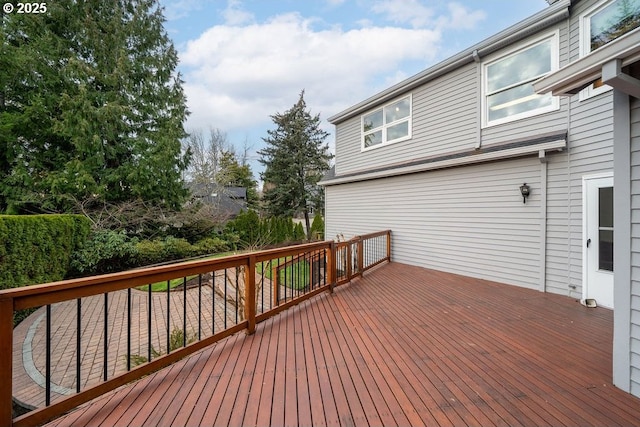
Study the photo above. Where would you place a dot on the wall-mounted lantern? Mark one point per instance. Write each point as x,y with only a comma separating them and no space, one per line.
525,190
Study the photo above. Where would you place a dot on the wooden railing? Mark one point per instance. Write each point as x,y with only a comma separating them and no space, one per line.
216,298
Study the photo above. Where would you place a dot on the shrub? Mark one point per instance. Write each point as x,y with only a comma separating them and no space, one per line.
149,252
212,245
317,228
107,251
178,249
298,232
249,231
172,249
38,248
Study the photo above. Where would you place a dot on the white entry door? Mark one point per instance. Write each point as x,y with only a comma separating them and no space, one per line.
598,244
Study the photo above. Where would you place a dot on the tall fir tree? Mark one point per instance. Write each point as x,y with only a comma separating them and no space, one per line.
295,159
93,107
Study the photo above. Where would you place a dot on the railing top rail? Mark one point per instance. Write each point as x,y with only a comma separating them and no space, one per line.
35,295
364,237
49,293
372,235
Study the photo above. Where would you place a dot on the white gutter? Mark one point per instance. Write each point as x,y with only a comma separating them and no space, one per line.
574,77
541,20
556,145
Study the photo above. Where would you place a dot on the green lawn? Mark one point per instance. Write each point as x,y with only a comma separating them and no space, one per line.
162,286
294,276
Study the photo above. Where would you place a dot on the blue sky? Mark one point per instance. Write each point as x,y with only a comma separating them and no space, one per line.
244,60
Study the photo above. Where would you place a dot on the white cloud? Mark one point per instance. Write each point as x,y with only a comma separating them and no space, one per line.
236,77
462,18
235,15
418,15
405,12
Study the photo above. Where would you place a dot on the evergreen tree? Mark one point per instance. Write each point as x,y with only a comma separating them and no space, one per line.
317,227
93,108
232,173
295,159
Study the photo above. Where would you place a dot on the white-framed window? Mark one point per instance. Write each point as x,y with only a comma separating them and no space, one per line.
603,23
388,124
507,81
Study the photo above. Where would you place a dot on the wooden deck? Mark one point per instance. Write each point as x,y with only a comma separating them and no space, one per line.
401,346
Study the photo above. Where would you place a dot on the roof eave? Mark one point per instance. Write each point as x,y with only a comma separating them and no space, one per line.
574,77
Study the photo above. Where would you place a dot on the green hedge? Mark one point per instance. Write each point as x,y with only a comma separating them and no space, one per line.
171,248
249,231
37,248
109,251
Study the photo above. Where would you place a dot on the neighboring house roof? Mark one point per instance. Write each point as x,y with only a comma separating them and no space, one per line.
227,200
558,11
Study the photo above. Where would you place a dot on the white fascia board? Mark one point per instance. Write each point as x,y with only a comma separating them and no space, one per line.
573,77
557,145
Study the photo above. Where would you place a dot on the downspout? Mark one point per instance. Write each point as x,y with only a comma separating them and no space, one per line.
478,62
543,220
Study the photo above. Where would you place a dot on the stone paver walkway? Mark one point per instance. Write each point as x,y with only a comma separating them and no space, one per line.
29,339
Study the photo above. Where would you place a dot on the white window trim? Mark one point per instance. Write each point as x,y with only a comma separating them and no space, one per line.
554,36
384,142
585,47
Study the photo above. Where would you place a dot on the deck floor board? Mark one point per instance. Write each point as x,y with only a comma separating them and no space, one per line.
401,346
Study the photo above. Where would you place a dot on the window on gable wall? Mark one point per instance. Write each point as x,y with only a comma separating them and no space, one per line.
507,82
386,125
602,24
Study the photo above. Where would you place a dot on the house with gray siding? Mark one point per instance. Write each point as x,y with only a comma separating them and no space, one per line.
499,163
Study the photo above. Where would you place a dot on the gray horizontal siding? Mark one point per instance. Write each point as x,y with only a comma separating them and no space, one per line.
443,112
468,220
558,213
446,118
635,247
590,152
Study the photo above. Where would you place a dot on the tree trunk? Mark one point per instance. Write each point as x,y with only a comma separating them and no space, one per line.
306,220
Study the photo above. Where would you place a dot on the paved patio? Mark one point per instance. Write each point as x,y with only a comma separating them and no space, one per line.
29,347
401,346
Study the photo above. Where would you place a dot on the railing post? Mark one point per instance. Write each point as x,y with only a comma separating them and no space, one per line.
332,265
389,245
6,361
349,261
250,295
360,255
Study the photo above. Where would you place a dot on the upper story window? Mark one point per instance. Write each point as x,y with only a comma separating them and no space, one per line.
391,123
602,24
507,82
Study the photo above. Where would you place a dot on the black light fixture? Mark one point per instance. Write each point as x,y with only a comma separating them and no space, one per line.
525,190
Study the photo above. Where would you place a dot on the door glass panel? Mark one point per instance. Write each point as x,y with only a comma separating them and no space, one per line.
605,217
605,228
605,257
